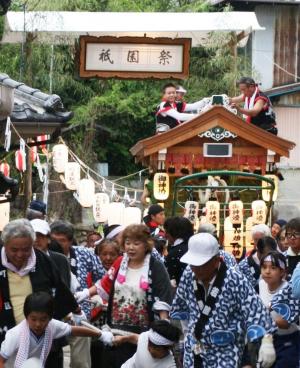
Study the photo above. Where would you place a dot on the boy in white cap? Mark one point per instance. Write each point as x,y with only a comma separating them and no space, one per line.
222,309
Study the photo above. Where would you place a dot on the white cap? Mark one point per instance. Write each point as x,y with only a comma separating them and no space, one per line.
201,248
181,89
40,226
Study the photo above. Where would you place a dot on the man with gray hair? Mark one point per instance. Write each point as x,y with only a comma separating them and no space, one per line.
24,270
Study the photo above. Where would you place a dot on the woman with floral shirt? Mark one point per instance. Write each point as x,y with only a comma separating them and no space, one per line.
137,286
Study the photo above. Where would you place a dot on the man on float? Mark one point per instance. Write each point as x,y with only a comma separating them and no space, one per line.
171,113
257,106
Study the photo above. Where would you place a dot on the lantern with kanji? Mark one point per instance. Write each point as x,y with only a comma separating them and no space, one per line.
266,193
4,168
115,213
212,212
161,186
86,192
191,211
259,212
236,209
100,207
248,237
72,175
132,215
233,238
4,214
60,157
20,159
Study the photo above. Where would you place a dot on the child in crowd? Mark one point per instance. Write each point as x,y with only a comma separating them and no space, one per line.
153,347
286,339
32,338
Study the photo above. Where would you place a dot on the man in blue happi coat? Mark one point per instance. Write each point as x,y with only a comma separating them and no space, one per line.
221,308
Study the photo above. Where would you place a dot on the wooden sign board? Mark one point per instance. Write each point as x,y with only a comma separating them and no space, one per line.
134,57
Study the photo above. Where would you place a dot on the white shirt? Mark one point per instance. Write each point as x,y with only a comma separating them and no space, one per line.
143,359
10,346
266,296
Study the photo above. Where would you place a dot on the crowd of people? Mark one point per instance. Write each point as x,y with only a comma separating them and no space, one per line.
158,294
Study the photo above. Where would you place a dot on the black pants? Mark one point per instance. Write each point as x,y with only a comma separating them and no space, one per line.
198,361
114,357
55,359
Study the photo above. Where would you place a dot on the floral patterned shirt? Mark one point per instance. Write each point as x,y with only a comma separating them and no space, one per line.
130,302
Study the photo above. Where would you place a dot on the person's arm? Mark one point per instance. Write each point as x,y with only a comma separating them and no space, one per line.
236,99
181,116
195,106
296,282
282,323
2,362
251,112
132,339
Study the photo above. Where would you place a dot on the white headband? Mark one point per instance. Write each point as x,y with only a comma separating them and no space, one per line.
269,258
115,232
157,339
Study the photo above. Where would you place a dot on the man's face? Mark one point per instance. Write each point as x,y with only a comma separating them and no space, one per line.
207,271
92,239
41,242
63,241
170,94
159,218
293,239
246,90
18,251
179,96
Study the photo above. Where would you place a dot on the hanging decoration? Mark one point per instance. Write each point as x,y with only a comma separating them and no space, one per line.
267,193
212,212
39,168
236,209
100,207
72,175
42,138
191,211
86,191
60,157
161,186
115,213
4,168
259,212
7,141
4,214
20,157
132,215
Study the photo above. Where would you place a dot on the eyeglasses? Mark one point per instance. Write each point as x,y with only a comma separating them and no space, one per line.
295,235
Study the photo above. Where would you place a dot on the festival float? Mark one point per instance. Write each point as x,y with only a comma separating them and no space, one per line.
215,168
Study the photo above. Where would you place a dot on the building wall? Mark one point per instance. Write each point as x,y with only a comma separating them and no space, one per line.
288,127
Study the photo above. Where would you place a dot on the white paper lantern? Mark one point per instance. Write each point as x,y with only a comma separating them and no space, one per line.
259,212
132,215
233,238
86,192
236,214
115,213
100,207
191,211
72,175
161,186
212,212
249,240
60,157
4,213
267,193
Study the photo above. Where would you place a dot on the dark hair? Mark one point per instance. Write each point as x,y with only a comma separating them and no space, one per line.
246,80
168,85
293,224
160,243
93,233
276,259
39,301
63,227
104,243
140,233
166,329
179,227
107,229
266,243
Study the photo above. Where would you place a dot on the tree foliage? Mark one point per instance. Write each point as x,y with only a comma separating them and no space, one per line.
112,115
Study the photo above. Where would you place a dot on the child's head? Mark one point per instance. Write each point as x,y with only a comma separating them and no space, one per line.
108,251
38,310
273,269
265,245
162,336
